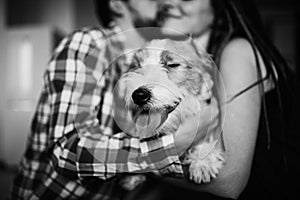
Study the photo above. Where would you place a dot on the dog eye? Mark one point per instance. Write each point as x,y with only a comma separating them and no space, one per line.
173,65
133,66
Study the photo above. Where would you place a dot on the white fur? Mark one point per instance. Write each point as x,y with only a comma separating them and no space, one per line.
169,88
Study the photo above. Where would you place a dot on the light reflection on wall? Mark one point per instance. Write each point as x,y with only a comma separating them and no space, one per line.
28,50
25,65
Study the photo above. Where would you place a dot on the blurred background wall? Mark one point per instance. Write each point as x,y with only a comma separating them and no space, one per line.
30,29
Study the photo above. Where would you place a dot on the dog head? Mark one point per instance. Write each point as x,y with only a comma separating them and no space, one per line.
165,77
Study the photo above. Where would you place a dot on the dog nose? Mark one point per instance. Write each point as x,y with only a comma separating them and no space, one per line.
141,96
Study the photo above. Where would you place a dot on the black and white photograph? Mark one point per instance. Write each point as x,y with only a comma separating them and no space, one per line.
149,99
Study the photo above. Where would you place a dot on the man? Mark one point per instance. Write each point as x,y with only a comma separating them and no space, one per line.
71,152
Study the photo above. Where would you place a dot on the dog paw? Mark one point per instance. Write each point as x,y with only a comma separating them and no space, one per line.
130,182
203,170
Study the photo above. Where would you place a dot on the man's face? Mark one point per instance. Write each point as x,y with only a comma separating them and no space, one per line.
143,12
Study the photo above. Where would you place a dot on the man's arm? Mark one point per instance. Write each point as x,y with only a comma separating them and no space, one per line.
80,143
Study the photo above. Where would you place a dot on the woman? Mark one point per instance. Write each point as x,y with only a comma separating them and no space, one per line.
255,79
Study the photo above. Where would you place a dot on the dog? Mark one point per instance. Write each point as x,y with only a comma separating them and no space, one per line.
167,83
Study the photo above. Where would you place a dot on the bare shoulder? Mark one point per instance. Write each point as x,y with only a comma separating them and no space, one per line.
237,65
238,50
238,44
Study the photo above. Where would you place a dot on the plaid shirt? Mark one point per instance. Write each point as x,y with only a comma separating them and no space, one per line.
74,150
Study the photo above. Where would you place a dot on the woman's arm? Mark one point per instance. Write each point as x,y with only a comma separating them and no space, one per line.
240,120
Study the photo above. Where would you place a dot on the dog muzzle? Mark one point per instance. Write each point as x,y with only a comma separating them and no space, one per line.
145,116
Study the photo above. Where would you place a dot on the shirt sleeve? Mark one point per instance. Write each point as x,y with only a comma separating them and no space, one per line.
80,145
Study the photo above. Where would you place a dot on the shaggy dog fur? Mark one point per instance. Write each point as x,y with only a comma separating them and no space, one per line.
167,83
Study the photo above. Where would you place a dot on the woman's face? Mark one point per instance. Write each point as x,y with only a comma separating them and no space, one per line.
187,16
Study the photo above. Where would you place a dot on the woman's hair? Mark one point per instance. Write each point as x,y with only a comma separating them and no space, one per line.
104,13
240,18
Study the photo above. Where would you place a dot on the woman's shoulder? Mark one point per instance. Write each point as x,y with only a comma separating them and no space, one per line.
238,49
241,48
238,42
237,62
239,58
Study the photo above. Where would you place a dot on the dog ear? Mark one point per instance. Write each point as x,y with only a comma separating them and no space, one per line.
137,58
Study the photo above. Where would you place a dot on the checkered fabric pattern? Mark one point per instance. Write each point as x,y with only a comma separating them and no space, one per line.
75,150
